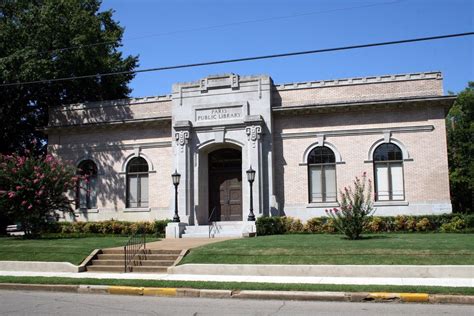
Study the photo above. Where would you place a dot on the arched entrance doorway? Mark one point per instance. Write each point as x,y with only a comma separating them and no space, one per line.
225,185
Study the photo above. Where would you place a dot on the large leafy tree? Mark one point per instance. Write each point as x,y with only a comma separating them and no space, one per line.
44,39
460,125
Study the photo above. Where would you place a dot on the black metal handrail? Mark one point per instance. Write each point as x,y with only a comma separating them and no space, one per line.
212,224
132,248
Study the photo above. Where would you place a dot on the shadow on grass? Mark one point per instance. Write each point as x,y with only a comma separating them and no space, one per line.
68,236
369,237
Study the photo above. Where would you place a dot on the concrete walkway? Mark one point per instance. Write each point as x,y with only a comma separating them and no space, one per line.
181,243
448,282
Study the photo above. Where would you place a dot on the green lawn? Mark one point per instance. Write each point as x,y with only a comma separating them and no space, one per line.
72,250
413,248
242,285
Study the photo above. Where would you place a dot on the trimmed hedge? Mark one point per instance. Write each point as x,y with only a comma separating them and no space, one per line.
449,223
110,227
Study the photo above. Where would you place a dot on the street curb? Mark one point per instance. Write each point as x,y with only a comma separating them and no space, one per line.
403,297
293,296
247,294
39,287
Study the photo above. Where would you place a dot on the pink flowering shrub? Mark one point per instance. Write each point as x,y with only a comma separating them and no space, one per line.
34,188
356,207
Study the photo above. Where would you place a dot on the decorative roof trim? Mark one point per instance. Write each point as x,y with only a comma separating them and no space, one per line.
360,80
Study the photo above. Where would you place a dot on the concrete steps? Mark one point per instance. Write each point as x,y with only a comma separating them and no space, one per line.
146,261
138,256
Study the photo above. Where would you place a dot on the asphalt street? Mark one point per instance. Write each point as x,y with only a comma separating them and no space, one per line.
53,303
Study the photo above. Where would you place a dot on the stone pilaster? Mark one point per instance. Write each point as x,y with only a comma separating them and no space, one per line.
253,129
182,164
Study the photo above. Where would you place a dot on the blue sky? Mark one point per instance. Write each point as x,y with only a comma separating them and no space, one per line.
176,32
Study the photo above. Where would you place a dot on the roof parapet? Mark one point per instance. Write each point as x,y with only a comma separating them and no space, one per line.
117,102
360,80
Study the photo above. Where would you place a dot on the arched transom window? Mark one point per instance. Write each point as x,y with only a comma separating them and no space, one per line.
86,193
322,175
137,183
388,170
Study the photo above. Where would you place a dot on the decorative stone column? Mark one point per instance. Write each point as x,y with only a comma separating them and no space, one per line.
254,132
183,164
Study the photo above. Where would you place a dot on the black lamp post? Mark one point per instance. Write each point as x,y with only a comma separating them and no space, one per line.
175,176
251,178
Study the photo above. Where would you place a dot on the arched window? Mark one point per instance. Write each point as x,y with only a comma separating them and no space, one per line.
388,170
137,183
86,194
322,175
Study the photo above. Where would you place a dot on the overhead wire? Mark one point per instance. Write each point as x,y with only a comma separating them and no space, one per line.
243,59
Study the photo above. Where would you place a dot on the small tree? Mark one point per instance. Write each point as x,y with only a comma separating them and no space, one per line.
460,128
35,190
356,207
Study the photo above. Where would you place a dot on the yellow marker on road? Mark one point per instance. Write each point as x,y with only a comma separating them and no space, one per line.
404,297
157,291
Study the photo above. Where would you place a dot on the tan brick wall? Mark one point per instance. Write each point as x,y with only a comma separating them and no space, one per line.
110,148
426,177
298,94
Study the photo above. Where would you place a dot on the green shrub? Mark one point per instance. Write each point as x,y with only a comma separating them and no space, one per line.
423,225
65,228
329,225
91,228
270,226
456,225
110,227
410,224
292,225
314,225
469,220
399,223
159,227
375,224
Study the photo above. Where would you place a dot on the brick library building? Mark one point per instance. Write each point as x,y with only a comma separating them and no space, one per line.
245,145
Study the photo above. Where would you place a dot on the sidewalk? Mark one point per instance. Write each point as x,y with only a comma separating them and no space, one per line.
445,282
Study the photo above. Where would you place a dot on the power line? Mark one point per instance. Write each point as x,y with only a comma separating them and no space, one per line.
236,60
211,27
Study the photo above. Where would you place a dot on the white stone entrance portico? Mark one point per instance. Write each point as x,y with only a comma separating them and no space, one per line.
225,111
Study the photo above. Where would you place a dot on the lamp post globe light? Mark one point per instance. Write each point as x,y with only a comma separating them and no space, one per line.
251,178
175,176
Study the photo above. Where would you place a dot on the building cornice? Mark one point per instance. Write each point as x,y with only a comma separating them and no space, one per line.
359,131
112,146
109,124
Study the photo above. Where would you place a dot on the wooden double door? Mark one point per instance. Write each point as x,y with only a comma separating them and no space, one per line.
225,185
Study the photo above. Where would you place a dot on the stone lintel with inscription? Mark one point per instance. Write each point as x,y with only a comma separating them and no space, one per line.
219,113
